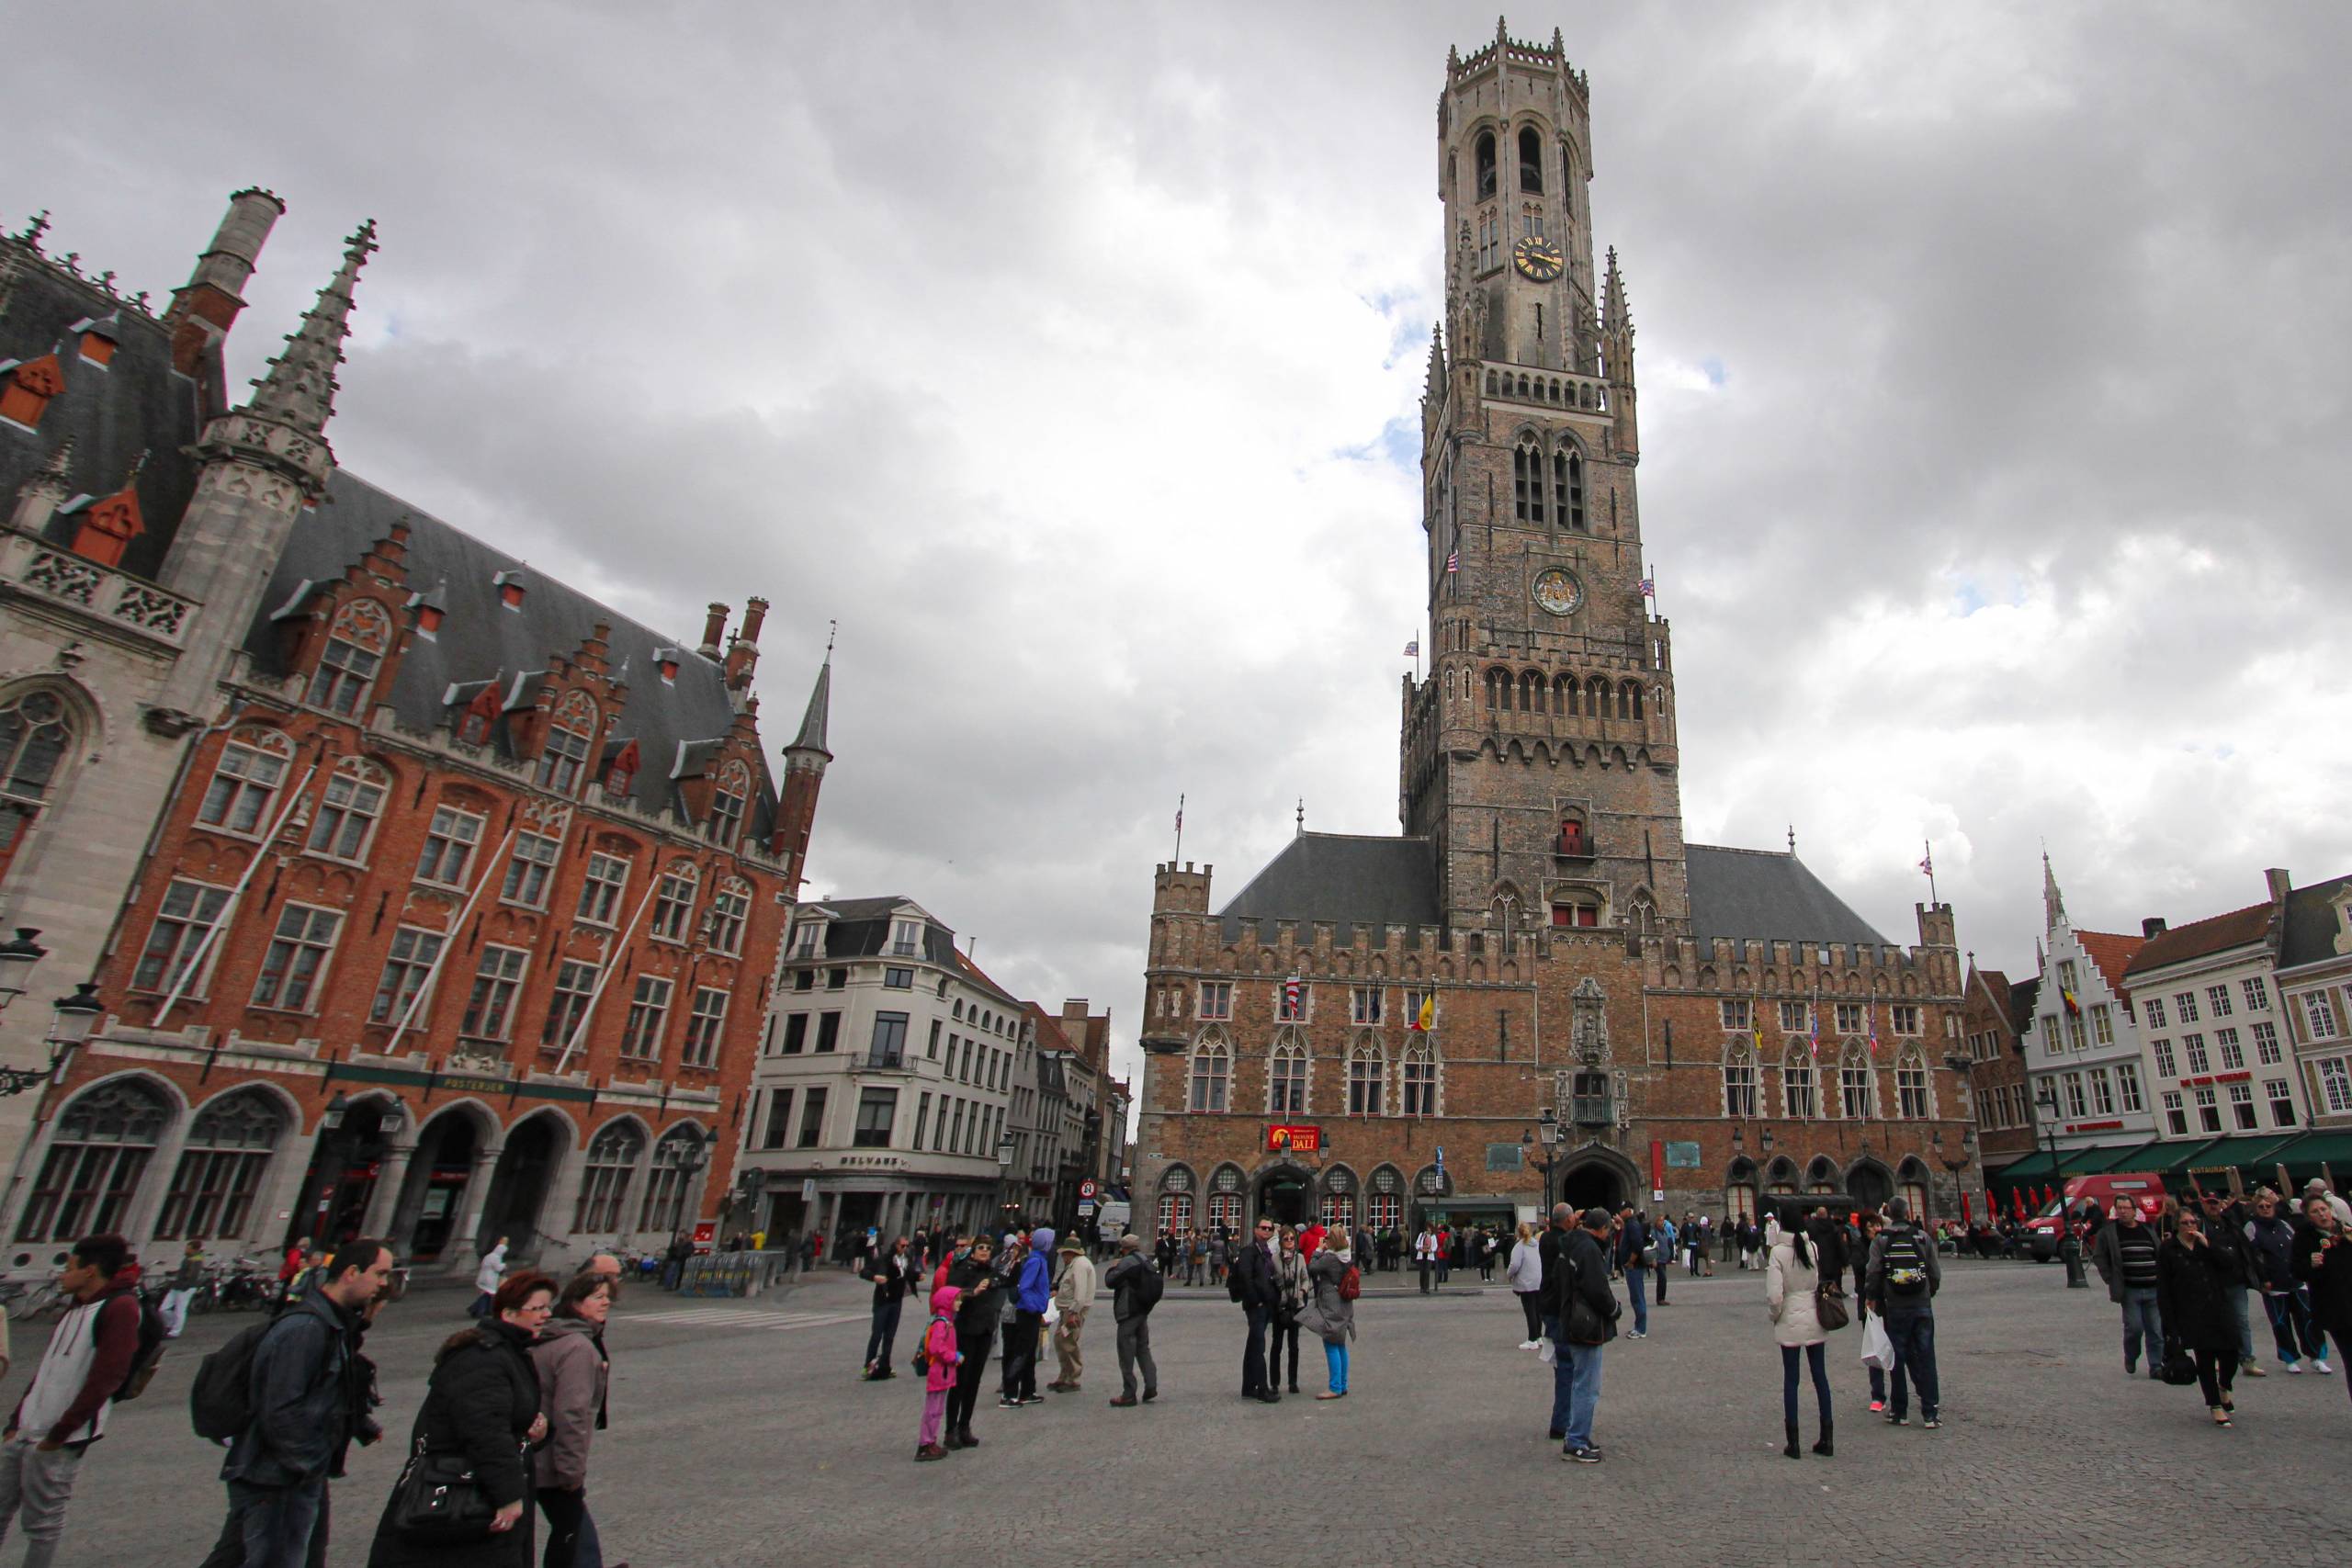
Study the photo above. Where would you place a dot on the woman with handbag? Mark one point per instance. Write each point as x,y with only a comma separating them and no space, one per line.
1329,1314
575,1374
1290,1276
464,1498
2192,1303
1791,1283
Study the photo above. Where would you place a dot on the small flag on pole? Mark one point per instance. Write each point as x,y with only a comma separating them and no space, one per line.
1874,1038
1813,1030
1291,989
1648,587
1928,863
1413,649
1427,1014
1180,819
1454,560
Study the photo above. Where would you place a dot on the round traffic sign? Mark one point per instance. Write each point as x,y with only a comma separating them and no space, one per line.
1086,1188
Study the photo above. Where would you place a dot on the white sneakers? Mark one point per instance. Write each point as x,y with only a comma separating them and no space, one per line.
2319,1365
1530,1344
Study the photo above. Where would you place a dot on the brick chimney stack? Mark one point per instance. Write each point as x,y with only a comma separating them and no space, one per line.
203,308
743,651
714,628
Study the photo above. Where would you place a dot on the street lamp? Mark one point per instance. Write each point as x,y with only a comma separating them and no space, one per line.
72,1020
18,957
2070,1251
1008,1209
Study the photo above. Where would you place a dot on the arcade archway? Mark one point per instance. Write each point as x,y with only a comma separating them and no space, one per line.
1286,1195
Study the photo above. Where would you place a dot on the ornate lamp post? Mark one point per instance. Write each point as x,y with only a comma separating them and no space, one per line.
72,1017
2070,1250
1010,1212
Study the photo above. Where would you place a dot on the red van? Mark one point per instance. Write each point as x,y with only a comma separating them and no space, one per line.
2142,1187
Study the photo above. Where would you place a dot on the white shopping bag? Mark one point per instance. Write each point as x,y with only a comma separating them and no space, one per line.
1544,1353
1878,1350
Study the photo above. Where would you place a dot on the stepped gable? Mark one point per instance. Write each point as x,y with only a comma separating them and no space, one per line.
480,639
1345,878
1767,895
135,404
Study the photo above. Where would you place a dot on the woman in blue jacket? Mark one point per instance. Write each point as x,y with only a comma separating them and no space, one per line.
1031,1289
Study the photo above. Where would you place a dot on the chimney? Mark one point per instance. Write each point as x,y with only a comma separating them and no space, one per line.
712,630
203,308
2152,927
2280,884
756,615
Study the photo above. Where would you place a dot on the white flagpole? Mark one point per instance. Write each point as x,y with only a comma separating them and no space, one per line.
236,896
605,974
450,940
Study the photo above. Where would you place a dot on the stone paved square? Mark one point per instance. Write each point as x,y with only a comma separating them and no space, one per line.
741,1435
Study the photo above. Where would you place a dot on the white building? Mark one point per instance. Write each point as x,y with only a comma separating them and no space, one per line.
2218,1059
888,1068
2315,982
2085,1042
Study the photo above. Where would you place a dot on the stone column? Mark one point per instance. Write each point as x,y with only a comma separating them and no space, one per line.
391,1175
146,1205
467,1231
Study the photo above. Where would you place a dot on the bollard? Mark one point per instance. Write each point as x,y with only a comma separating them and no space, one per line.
2070,1252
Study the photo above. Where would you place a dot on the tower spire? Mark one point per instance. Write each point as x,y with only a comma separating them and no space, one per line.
2054,903
298,388
820,700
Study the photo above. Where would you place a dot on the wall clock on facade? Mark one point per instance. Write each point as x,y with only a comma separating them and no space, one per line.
1538,258
1558,592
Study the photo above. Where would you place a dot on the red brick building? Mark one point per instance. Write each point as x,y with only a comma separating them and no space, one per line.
1700,1024
459,918
1996,1015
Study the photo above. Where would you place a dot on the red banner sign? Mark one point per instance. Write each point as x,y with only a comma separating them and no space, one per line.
1293,1140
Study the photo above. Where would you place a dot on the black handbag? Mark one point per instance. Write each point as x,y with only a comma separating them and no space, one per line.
438,1502
2180,1368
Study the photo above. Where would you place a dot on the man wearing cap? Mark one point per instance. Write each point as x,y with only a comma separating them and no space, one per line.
1073,1293
1584,1312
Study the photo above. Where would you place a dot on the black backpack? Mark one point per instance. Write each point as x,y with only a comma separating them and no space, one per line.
1144,1289
147,1358
1906,1266
221,1400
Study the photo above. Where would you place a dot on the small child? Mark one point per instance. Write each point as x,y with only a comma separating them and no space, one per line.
940,1360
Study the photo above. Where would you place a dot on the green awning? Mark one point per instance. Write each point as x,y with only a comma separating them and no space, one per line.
2172,1159
2304,1156
2124,1156
2253,1152
2035,1166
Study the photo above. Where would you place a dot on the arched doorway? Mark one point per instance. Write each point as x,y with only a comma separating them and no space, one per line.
1286,1195
343,1165
1869,1185
438,1176
1592,1183
518,1186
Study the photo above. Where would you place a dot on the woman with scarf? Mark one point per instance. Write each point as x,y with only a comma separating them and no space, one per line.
1290,1276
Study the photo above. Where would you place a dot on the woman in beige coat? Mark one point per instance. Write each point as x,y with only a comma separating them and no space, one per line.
1789,1276
574,1374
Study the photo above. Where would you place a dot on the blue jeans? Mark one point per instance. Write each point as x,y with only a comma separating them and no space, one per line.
1584,1392
1638,1286
1914,1334
2141,1324
1335,1362
2246,1325
885,1333
275,1522
1813,1357
2291,1321
1562,1379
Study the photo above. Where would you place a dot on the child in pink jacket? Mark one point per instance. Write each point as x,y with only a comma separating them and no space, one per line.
940,1360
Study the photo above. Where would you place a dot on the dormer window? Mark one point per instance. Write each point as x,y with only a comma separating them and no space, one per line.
353,653
99,341
620,775
564,756
510,589
473,725
665,659
725,819
103,529
24,397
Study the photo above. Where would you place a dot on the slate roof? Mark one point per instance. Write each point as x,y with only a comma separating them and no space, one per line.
860,928
980,978
2217,934
139,403
481,638
1766,895
2310,922
1345,878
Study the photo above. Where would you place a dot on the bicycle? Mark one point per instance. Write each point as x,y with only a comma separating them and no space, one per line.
29,1301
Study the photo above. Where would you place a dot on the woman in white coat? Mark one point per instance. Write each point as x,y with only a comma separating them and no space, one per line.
487,1278
1526,1272
1790,1275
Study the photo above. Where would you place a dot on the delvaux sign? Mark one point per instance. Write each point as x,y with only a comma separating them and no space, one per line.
1285,1139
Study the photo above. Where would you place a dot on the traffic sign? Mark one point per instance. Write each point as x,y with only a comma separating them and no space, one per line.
1087,1188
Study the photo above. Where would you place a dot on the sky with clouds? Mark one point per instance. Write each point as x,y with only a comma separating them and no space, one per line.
1991,363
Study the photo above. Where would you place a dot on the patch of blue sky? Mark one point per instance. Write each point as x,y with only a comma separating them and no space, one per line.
1397,445
1712,369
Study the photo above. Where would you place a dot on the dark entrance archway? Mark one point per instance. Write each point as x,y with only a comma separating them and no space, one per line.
342,1178
518,1186
435,1195
1596,1184
1286,1195
1869,1185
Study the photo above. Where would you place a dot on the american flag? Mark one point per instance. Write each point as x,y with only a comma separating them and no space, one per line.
1454,560
1413,649
1648,587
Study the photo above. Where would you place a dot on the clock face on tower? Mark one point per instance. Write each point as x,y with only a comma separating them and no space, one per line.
1538,258
1558,592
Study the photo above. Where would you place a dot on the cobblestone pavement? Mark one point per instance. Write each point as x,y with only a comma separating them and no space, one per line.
740,1436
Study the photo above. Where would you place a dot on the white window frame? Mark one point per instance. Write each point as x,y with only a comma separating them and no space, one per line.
530,870
452,830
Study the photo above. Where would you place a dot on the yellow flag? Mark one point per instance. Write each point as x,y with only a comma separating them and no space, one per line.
1428,1013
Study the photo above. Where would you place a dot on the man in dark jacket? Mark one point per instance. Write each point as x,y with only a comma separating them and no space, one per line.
2271,1237
1257,1284
1585,1311
1902,1284
1633,1261
2124,1252
310,1399
1552,1251
1134,1318
976,1314
892,1273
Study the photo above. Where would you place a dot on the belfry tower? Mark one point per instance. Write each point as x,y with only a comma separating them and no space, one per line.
1539,753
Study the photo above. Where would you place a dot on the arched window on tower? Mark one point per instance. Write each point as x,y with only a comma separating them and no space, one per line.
1212,1067
35,739
1568,488
1286,1077
1531,692
1526,484
1365,1065
1531,160
1485,156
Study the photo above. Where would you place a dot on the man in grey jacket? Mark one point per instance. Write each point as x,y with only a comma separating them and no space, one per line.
1901,1286
306,1409
1134,1319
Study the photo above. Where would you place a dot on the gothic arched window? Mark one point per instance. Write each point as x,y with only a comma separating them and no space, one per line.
212,1192
1384,1204
245,780
104,1140
1486,164
1365,1070
1418,1075
1175,1200
1911,1084
605,1179
564,757
35,737
347,813
1286,1079
1854,1082
1531,161
1526,484
355,645
1212,1070
675,1160
1568,488
1739,1078
1799,1101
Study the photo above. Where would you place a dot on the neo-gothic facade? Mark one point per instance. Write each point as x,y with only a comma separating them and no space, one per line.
1702,1025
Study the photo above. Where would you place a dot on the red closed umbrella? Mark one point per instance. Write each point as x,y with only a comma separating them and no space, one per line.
2017,1202
1965,1217
2049,1193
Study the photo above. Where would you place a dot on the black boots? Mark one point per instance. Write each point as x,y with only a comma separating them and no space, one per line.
1791,1450
1825,1448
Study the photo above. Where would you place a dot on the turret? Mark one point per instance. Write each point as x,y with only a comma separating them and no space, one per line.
208,304
1617,357
804,776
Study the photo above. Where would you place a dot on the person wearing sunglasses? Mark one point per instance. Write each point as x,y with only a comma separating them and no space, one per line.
1256,1284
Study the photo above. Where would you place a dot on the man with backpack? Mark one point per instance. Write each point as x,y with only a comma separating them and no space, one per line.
103,1341
1904,1279
291,1394
1134,1290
